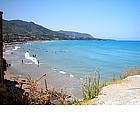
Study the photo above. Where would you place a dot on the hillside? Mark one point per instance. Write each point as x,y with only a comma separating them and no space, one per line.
77,35
29,30
20,31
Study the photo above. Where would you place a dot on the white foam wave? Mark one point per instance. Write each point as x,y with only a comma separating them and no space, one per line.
81,78
27,56
28,43
7,52
16,47
71,75
62,72
54,69
29,63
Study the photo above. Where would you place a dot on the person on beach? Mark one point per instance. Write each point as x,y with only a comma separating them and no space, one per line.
34,55
38,62
22,62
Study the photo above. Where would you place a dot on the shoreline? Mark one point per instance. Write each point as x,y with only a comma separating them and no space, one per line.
16,43
55,79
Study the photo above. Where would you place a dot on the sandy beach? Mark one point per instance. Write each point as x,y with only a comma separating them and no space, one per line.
55,79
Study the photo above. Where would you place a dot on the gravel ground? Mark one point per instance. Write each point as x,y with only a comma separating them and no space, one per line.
125,93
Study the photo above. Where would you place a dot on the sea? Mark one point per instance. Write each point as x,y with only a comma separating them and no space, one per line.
66,63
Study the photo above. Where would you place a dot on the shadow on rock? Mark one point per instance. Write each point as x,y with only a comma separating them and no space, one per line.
10,93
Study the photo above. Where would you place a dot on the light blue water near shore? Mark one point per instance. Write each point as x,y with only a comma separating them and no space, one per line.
77,58
72,60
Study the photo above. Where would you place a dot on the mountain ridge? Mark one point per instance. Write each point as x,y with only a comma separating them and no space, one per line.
19,30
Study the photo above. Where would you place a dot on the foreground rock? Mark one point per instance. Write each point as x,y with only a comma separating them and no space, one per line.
125,92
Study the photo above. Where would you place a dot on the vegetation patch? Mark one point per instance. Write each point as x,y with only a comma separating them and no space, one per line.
91,86
130,72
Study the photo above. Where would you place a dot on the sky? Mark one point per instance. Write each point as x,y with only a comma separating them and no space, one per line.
108,19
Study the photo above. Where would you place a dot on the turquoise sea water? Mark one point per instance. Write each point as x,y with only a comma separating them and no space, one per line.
81,57
74,59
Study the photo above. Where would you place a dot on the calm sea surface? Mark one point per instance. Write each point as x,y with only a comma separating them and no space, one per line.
72,60
81,57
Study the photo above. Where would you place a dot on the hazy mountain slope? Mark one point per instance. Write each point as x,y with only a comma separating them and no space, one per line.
77,35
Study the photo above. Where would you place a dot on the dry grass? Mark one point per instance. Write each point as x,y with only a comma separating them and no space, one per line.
116,82
130,72
44,96
28,92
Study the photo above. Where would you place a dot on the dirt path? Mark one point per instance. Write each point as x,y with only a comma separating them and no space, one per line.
125,93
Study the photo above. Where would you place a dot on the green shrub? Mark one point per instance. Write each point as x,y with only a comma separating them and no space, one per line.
91,86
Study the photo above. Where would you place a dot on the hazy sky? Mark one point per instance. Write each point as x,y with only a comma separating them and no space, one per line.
115,19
